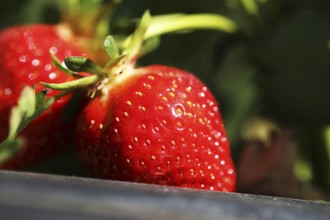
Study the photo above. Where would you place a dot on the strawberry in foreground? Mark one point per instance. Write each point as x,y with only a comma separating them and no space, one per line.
160,125
153,124
25,60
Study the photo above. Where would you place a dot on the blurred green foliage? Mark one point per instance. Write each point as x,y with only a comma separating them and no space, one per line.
277,65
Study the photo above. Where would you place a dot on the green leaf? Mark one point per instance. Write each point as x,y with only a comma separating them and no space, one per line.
41,97
82,64
138,36
59,65
27,102
14,122
30,106
25,109
78,64
111,47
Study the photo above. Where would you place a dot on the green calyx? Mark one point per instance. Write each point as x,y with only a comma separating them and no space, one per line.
124,54
111,47
145,38
117,59
79,83
82,64
135,45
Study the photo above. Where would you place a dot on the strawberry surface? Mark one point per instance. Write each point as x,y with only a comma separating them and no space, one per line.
25,60
156,125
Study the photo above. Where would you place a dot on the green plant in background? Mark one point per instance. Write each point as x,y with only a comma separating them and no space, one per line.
276,64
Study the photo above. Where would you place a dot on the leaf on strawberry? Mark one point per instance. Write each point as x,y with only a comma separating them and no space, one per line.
82,64
134,46
111,47
67,86
59,65
30,106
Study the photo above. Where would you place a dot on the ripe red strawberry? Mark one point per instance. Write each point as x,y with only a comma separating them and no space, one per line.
159,125
25,60
153,124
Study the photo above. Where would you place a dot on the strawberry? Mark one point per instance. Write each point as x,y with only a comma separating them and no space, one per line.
160,125
153,124
25,60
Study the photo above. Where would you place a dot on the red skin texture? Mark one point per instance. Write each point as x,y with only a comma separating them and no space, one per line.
25,60
162,126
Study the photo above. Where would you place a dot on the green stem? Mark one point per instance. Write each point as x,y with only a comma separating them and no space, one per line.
79,83
188,22
135,43
180,22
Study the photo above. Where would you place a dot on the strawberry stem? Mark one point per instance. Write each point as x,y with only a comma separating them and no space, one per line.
135,44
189,22
164,24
